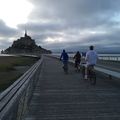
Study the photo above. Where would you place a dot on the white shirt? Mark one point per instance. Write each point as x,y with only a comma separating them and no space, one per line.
91,57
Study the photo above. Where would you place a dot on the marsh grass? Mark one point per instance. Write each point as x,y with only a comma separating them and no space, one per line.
8,63
8,71
6,79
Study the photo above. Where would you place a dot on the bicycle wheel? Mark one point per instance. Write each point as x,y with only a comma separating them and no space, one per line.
83,71
92,78
65,68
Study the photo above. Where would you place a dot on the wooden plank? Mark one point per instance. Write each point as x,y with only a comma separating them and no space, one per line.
58,96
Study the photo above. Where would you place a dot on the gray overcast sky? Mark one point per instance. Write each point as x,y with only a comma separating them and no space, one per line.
58,24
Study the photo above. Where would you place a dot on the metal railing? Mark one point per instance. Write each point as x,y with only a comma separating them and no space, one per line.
99,69
15,99
110,58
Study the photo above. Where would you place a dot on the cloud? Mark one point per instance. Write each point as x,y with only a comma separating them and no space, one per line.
77,12
7,35
71,23
74,17
6,31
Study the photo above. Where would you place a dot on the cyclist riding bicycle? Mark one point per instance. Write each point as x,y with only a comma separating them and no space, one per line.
64,57
91,59
77,58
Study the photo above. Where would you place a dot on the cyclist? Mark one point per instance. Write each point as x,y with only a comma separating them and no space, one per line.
77,58
64,57
91,59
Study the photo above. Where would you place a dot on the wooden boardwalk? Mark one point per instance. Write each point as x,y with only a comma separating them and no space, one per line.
58,96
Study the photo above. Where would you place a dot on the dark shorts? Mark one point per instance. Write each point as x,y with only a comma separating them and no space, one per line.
90,66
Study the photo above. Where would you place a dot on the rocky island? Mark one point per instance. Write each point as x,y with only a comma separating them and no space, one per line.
25,45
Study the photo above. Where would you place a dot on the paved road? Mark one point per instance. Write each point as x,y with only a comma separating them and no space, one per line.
68,97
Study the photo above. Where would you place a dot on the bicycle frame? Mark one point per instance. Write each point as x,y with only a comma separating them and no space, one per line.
91,75
65,66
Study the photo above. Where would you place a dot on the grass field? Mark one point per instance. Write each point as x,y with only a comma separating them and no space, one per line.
11,68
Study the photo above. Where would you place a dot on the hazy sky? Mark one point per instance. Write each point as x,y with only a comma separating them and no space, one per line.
58,24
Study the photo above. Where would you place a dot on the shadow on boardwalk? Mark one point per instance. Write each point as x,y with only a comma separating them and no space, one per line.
68,97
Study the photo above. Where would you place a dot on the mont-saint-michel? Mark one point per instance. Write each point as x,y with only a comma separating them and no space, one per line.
25,45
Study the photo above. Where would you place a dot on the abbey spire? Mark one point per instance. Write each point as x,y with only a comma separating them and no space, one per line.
25,32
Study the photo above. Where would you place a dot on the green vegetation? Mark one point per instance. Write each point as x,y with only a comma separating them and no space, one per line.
6,79
8,63
8,71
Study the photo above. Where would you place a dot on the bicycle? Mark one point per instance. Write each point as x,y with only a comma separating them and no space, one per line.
77,66
65,67
91,75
